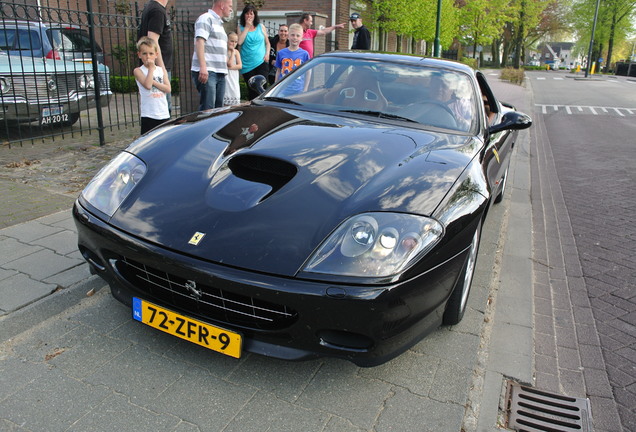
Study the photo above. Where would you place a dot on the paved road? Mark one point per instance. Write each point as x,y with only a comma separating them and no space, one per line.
585,162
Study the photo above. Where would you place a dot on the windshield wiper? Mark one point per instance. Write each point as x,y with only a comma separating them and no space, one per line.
380,114
281,99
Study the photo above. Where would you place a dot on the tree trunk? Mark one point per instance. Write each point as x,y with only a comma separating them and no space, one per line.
506,52
610,47
495,51
519,38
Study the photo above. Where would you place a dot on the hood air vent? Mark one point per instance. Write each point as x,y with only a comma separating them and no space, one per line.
259,169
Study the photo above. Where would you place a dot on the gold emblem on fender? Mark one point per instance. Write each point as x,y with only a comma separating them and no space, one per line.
496,154
196,238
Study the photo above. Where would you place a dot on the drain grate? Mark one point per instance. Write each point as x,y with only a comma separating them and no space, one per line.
530,410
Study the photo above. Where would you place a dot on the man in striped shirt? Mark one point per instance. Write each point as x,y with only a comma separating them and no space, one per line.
209,61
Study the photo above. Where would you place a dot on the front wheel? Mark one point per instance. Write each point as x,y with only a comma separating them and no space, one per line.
72,119
458,300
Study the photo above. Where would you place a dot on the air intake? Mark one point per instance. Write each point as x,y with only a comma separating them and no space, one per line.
259,169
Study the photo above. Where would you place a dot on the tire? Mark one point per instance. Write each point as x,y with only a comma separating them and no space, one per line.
500,195
72,119
456,305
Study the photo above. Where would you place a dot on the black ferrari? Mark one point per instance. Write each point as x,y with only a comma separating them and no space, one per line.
337,214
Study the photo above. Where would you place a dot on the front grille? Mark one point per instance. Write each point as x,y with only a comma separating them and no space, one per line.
204,300
34,87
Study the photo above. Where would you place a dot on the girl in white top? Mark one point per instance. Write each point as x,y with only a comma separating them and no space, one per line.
153,83
234,65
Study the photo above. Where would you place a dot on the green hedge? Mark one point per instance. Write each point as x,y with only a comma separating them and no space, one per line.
515,76
127,84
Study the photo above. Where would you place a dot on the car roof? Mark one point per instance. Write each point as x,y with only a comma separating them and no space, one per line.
402,58
64,26
20,23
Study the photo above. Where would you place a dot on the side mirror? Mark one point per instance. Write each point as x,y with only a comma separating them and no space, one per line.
257,83
512,120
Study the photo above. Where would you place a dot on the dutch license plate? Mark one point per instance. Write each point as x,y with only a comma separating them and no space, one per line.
53,114
195,331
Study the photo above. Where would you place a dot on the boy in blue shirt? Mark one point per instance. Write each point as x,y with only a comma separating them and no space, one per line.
291,58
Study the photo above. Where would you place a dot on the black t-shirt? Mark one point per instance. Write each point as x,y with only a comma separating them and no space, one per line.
155,19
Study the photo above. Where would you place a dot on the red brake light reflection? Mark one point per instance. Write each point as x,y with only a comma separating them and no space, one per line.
53,55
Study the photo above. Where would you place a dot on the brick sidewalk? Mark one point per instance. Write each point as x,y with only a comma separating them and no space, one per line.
14,208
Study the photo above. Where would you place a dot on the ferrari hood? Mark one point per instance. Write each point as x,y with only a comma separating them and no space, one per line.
260,187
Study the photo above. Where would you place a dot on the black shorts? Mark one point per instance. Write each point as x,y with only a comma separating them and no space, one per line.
148,123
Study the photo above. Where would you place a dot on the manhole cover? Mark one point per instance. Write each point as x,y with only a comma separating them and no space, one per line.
530,410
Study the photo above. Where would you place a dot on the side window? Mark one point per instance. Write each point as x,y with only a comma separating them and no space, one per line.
7,37
56,38
28,40
67,44
81,41
488,103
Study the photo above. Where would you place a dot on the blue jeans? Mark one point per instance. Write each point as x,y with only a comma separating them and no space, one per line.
169,95
211,93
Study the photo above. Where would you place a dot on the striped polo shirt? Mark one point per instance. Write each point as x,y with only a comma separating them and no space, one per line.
209,26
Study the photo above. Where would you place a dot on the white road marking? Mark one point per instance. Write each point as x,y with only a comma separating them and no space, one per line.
595,110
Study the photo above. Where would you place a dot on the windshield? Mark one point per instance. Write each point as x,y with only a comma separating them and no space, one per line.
413,93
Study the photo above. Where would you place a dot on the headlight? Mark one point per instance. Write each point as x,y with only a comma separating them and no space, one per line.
51,84
4,86
110,187
86,82
375,245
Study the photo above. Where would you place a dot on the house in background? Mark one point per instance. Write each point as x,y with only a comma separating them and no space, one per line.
558,55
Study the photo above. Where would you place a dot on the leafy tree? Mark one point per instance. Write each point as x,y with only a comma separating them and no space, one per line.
614,23
483,21
417,19
529,15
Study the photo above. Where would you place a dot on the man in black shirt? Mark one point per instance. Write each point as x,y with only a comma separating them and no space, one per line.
156,25
361,37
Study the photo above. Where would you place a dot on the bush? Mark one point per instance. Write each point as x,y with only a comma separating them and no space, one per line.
127,84
175,85
243,86
472,62
123,84
515,76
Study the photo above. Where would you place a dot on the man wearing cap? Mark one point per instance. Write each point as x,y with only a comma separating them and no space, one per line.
361,37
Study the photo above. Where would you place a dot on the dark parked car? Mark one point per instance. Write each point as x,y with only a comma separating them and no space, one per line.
73,43
337,214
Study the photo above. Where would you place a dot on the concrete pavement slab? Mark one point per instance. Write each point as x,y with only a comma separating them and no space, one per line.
20,290
57,410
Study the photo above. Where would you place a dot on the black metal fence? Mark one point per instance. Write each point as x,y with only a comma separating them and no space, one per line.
91,89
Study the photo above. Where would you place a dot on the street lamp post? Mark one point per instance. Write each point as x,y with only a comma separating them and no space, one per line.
436,48
589,54
631,60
